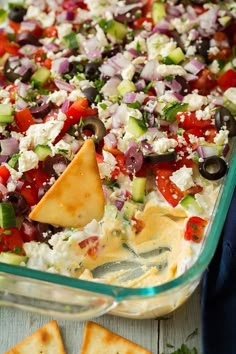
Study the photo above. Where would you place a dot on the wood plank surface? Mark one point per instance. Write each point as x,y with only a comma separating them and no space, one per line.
154,335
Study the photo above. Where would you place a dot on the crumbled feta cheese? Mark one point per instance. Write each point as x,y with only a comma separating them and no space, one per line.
27,161
183,26
4,96
214,50
75,94
182,178
157,44
166,70
44,133
108,165
139,43
58,97
63,29
221,137
163,145
214,67
195,101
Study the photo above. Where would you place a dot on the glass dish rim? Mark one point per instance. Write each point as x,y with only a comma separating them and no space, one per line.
123,293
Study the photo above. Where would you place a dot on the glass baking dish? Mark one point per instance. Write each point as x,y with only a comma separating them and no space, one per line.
59,295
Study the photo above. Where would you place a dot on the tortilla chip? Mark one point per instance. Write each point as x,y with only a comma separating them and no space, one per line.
46,340
76,198
100,340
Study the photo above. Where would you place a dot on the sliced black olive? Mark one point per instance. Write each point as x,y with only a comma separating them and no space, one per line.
17,14
27,38
91,70
129,16
45,231
153,158
12,70
90,93
96,126
18,202
51,162
41,109
185,88
223,117
203,46
213,168
111,52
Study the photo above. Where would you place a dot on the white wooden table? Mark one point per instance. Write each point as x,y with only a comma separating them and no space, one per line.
155,335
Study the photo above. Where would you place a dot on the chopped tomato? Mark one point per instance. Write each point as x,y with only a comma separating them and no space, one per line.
194,189
205,82
11,240
195,228
92,243
140,22
4,174
30,192
15,26
137,225
37,176
168,189
227,79
199,10
198,132
222,43
189,120
6,46
79,109
50,32
24,120
39,56
210,134
120,159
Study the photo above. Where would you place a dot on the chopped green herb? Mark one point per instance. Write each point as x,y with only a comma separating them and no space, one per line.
111,183
148,87
185,350
135,105
71,40
99,84
193,334
17,250
103,106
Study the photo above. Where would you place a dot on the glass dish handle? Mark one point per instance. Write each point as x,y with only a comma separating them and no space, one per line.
52,299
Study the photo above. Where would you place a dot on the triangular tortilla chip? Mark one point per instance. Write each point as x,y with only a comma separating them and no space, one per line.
76,198
46,340
100,340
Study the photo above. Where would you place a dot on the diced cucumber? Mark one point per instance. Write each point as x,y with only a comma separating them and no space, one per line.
41,76
6,109
190,204
6,119
115,29
226,67
138,189
3,15
136,127
129,209
42,151
126,86
7,215
176,56
13,160
158,11
230,106
12,258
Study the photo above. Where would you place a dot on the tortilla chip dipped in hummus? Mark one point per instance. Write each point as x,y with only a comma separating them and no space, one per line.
76,198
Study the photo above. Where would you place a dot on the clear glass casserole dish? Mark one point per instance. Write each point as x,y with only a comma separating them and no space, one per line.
73,298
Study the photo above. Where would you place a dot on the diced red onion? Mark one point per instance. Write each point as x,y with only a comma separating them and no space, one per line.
178,96
218,101
110,140
65,106
28,26
3,189
70,15
120,10
190,77
133,159
63,85
119,117
173,127
174,11
129,97
59,167
133,52
206,151
119,204
140,84
27,49
53,47
22,89
163,27
173,85
110,87
225,149
108,70
159,88
3,158
194,66
60,65
119,61
208,20
20,104
75,145
149,71
9,146
21,70
191,13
